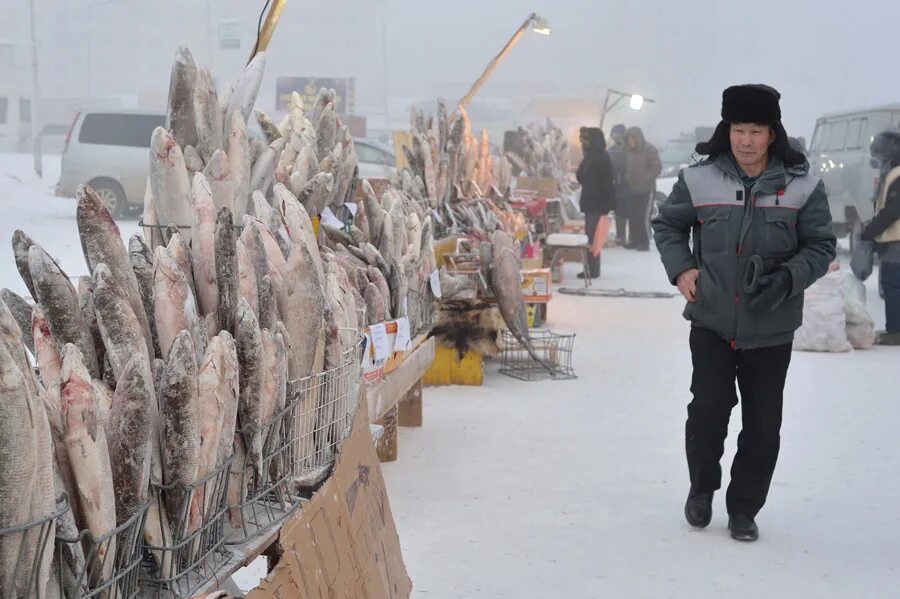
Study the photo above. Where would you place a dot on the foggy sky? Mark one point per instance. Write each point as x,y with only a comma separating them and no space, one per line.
680,53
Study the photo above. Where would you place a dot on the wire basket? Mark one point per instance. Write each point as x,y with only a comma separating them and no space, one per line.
106,566
420,308
193,534
319,417
26,547
260,496
553,350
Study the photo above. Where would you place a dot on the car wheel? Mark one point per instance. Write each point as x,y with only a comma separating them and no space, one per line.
112,195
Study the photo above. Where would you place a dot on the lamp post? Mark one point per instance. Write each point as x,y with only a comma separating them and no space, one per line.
35,98
536,23
635,102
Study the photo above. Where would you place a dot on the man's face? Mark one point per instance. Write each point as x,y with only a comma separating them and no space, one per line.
750,142
632,142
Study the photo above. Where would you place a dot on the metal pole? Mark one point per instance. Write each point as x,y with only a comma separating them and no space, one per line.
209,35
495,61
268,27
35,98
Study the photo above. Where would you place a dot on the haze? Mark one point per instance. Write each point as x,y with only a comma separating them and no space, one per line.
822,56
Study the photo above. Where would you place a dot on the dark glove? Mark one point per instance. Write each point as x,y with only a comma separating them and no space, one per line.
774,288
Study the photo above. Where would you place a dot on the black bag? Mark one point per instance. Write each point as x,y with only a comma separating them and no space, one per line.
862,261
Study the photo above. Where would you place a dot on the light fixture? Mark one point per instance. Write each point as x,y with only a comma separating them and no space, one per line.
636,102
539,25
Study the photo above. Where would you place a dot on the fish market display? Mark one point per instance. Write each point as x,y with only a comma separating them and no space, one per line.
173,356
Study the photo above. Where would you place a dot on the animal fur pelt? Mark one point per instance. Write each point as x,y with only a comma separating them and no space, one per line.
467,325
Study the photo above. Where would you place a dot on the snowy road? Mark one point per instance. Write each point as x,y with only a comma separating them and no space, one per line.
576,488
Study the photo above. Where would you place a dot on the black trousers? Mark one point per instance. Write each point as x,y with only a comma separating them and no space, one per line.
760,375
590,226
621,217
639,220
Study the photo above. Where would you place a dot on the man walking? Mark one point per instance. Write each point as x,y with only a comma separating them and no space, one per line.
761,234
642,167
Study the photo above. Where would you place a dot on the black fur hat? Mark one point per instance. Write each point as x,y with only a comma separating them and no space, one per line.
751,104
756,104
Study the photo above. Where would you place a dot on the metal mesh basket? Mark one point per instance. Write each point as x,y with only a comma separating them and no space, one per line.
318,418
420,308
554,350
263,494
106,566
193,534
27,546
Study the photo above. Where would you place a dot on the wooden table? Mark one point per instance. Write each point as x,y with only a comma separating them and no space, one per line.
396,399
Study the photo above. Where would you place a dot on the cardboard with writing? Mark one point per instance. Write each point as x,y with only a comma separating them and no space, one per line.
344,542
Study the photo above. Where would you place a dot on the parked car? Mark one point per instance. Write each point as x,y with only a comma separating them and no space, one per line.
108,149
677,154
376,160
839,154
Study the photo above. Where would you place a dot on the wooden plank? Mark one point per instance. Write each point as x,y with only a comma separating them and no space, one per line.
383,395
411,407
386,446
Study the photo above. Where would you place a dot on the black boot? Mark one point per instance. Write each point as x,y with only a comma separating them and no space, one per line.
593,276
698,509
743,528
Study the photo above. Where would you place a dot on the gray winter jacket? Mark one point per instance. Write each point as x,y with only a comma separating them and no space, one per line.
785,220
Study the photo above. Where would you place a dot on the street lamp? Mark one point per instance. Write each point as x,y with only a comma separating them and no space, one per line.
635,102
535,23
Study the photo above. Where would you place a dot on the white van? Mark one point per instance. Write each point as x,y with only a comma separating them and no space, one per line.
839,154
109,149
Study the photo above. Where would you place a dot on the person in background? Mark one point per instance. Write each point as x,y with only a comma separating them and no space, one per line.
884,229
617,157
642,167
598,196
742,235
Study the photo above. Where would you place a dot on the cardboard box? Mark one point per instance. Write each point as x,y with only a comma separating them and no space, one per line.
536,285
343,543
536,262
543,187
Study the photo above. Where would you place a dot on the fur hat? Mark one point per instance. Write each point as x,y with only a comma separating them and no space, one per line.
751,104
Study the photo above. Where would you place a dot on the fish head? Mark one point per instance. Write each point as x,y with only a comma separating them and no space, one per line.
92,207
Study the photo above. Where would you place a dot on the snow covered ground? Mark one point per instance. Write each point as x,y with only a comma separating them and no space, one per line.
28,203
576,488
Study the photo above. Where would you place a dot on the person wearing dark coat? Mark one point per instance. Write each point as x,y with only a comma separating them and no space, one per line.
884,229
743,235
598,196
617,152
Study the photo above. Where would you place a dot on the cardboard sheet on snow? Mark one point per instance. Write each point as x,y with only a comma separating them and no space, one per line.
344,542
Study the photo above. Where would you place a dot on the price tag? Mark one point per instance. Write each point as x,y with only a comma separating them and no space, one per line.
436,283
402,341
380,341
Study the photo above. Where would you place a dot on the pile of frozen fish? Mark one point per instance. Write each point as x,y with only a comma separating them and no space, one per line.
543,151
447,163
312,154
174,353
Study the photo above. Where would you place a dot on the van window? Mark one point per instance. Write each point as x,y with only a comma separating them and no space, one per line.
24,110
837,137
132,130
856,137
820,137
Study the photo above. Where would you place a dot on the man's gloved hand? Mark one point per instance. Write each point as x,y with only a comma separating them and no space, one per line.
774,289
